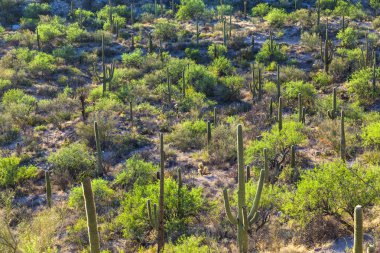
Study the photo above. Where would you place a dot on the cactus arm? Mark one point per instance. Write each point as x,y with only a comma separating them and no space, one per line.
227,206
48,188
245,218
254,218
150,216
259,190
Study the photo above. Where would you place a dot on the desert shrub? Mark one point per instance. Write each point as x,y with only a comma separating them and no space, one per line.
190,9
303,18
201,79
230,88
261,10
322,79
74,159
265,54
360,86
193,54
223,145
134,217
19,105
311,41
194,101
42,62
184,244
291,73
8,131
353,57
348,37
136,171
224,9
339,68
75,33
66,52
119,14
307,91
324,104
332,189
134,59
371,135
165,30
34,10
51,30
276,17
13,172
104,196
189,135
376,23
221,67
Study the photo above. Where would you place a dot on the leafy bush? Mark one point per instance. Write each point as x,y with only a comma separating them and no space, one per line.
190,9
310,40
136,172
134,59
185,245
360,86
230,88
291,73
266,55
322,79
222,67
332,189
165,30
189,135
8,131
224,9
193,54
42,62
12,172
276,17
104,196
66,52
134,217
34,10
74,159
75,33
307,91
194,101
19,105
261,10
202,79
371,135
217,50
348,37
51,30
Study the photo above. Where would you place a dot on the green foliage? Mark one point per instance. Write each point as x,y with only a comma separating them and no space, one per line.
266,55
134,59
322,79
165,30
66,52
50,30
136,172
194,101
371,135
13,172
230,88
222,66
332,189
348,37
261,10
360,86
193,54
224,9
189,135
201,79
34,10
19,105
276,17
74,159
75,33
134,217
104,196
307,91
311,41
276,142
42,62
190,9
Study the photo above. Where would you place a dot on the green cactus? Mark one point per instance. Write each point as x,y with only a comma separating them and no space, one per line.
155,8
293,157
265,153
278,82
179,197
38,40
48,189
169,84
132,42
245,8
99,166
197,32
162,8
108,71
80,18
358,230
334,112
92,225
157,222
303,115
327,52
208,136
131,113
374,73
252,85
342,137
230,27
318,13
271,108
215,117
248,173
300,107
260,85
183,84
117,30
224,32
110,16
150,43
279,115
371,249
244,220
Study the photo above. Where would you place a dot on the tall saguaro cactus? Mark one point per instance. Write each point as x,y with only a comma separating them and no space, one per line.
48,188
99,166
300,111
278,82
108,71
334,112
374,73
279,117
208,136
327,51
358,230
179,197
92,223
243,220
342,137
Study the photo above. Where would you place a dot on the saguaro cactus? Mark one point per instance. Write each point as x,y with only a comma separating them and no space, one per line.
342,137
158,222
183,84
92,223
293,157
131,113
99,166
197,32
215,117
48,188
303,115
245,9
278,82
327,52
38,40
208,135
179,197
108,71
334,112
243,220
358,230
300,107
260,85
224,32
271,108
374,73
318,13
279,117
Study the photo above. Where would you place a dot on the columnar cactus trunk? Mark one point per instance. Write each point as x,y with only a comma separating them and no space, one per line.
208,136
278,82
48,189
197,32
327,53
319,12
38,40
303,115
160,229
299,107
224,32
92,224
248,171
374,73
245,9
169,86
99,166
179,197
183,84
279,117
230,27
271,108
293,157
266,175
131,113
334,112
260,85
215,117
243,220
358,230
342,138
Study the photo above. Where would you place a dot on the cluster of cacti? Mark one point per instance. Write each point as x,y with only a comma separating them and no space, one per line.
334,112
202,170
99,166
157,222
92,223
279,114
272,46
256,87
342,137
48,188
108,71
244,220
327,51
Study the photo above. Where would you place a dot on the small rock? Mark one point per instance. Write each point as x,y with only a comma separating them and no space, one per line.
16,27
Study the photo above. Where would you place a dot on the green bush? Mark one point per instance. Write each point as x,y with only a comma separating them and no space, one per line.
165,30
276,17
186,245
134,217
134,59
34,10
201,79
221,66
42,62
104,196
136,172
12,172
230,88
265,55
307,91
322,79
51,30
360,86
189,135
332,189
193,54
348,37
194,101
66,52
371,135
8,131
190,9
75,33
261,10
74,159
224,9
311,41
19,105
216,49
